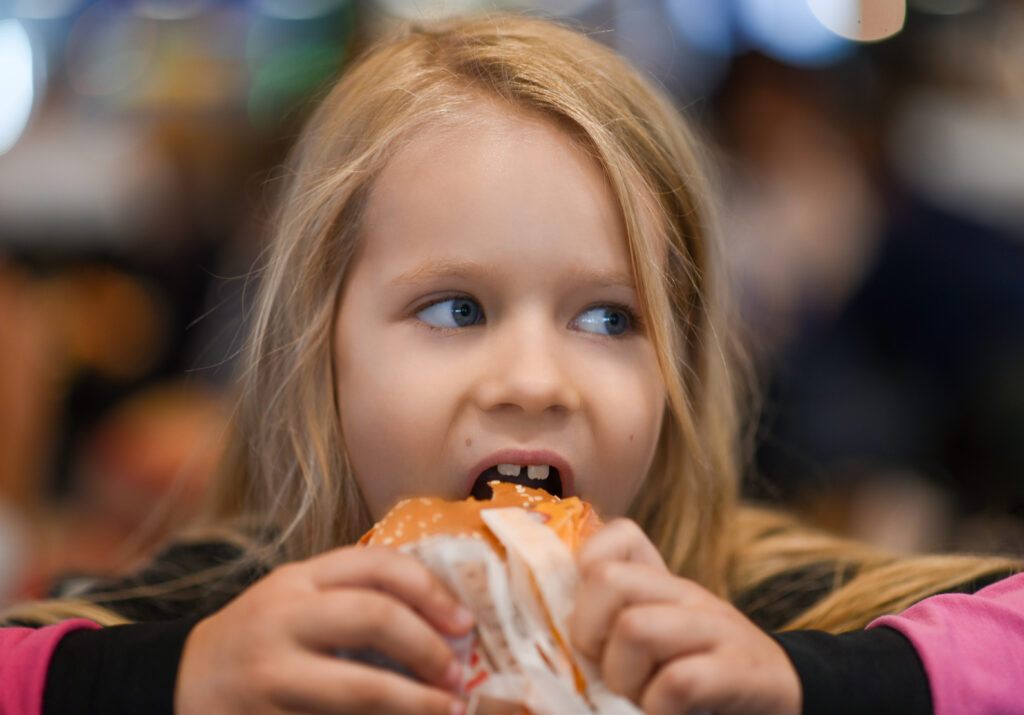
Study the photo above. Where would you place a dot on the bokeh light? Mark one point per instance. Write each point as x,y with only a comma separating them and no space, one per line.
787,30
16,82
108,51
861,20
171,9
430,9
44,9
288,59
554,7
298,9
708,26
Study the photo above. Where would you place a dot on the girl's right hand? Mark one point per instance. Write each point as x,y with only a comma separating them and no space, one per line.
271,650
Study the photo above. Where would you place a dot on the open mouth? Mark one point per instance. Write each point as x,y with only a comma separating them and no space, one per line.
534,476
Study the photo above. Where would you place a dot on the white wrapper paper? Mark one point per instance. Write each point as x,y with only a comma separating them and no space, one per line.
521,657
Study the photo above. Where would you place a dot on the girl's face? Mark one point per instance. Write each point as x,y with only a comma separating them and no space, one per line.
491,318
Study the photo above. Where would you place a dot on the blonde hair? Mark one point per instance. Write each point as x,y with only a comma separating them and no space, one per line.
290,451
287,469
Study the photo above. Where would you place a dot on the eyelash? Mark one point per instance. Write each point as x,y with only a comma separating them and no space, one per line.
636,325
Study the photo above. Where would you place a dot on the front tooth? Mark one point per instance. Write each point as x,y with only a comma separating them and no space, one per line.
537,471
509,470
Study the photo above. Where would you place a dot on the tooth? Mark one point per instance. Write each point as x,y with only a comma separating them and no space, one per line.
509,470
537,471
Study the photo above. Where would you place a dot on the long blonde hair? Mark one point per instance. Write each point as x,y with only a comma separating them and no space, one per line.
291,470
286,471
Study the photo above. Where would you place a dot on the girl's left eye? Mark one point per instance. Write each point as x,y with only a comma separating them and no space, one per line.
452,313
605,320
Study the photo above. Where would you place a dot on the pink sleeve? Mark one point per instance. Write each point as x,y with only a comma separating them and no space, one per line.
24,658
972,647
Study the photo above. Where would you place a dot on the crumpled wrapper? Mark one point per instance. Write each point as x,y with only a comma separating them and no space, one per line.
519,658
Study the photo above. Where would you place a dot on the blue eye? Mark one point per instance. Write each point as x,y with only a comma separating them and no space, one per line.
604,320
452,313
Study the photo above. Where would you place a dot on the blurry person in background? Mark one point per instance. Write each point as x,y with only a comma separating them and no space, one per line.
130,211
879,243
81,505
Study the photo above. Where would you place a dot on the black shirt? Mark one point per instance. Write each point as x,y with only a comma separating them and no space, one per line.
132,668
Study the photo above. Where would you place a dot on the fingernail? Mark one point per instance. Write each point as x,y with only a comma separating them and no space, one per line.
453,675
462,617
462,646
458,708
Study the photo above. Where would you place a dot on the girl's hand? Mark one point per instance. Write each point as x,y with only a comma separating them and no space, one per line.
666,643
271,650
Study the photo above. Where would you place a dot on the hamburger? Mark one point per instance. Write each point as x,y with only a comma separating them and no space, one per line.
510,560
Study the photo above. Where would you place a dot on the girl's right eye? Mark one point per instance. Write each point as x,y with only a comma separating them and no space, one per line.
452,313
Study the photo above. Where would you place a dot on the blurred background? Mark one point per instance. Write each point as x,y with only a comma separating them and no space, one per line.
871,167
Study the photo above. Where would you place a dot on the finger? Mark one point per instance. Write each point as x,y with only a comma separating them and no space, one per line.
686,686
393,572
319,684
646,637
356,618
611,586
619,540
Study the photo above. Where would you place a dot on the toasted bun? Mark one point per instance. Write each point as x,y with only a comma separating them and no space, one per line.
414,519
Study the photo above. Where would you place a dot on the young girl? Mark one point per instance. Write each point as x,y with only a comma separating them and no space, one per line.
495,247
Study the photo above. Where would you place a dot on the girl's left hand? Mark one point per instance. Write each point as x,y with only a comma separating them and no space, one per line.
668,644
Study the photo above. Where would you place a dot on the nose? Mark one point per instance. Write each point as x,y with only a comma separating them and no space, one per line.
530,371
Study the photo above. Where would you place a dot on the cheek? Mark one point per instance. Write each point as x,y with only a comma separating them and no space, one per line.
630,424
390,418
638,406
639,427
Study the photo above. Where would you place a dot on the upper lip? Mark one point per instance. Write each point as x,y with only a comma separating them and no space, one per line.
525,457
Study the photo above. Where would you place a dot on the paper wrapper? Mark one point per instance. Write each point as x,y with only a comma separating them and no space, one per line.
520,659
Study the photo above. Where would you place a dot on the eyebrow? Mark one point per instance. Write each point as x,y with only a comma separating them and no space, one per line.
434,269
441,268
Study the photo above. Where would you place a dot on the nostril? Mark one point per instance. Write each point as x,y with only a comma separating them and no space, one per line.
532,393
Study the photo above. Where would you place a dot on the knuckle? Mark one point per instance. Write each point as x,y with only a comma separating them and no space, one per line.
626,528
375,610
606,574
283,577
284,572
264,675
676,682
366,698
410,574
632,626
380,554
419,578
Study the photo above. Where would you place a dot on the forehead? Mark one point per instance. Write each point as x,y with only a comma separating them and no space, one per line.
496,176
